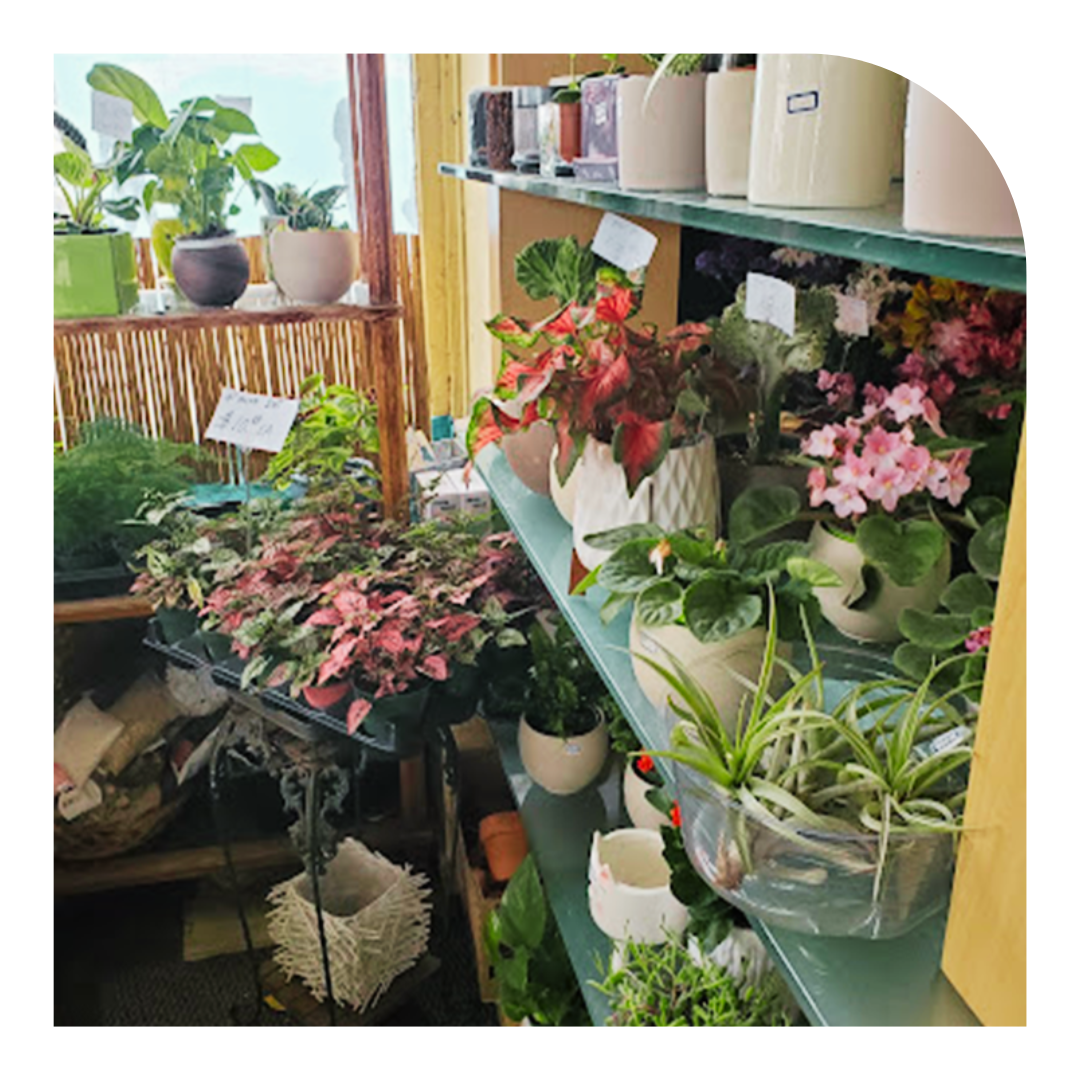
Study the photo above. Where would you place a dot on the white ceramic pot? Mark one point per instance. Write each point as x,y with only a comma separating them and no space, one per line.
899,121
951,183
563,495
562,766
312,266
528,453
662,144
729,112
629,887
683,492
821,132
880,621
641,812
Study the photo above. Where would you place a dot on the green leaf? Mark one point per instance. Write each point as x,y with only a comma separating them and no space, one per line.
660,604
814,573
872,581
906,551
913,660
233,121
628,570
987,547
947,444
611,607
716,608
74,166
762,510
985,507
559,269
966,593
523,910
690,549
255,157
981,616
611,539
118,81
939,633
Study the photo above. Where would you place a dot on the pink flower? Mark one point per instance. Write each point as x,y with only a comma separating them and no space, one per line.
855,472
822,443
951,339
880,443
876,395
977,639
869,412
933,418
999,412
817,482
886,486
825,379
942,388
914,367
905,401
949,480
846,500
915,462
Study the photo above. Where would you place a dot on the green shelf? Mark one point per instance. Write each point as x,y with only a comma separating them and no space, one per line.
876,235
837,981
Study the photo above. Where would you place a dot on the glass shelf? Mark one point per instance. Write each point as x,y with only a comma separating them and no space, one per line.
876,235
837,981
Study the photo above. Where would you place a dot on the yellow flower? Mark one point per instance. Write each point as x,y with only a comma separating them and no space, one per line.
659,554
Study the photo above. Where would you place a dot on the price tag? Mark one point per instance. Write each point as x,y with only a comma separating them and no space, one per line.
253,421
852,317
240,104
80,800
770,300
111,115
623,243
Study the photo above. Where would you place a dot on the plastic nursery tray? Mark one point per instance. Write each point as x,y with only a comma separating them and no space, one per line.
91,584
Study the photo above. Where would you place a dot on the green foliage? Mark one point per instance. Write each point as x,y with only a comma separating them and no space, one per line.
661,986
711,916
83,184
561,269
674,63
905,550
533,971
303,210
987,547
760,511
102,481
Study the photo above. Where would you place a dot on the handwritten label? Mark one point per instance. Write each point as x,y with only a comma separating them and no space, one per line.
74,803
241,104
253,421
852,317
111,115
770,300
623,243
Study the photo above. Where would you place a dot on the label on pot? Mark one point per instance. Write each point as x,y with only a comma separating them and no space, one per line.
770,300
253,421
74,803
947,740
628,246
571,748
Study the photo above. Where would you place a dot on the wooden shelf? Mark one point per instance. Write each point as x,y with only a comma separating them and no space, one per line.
100,609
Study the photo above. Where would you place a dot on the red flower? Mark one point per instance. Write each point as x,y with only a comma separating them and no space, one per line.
645,763
676,815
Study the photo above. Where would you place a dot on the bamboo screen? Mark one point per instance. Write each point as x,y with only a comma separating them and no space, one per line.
166,375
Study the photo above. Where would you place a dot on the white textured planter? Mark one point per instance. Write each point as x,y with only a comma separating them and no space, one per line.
683,492
662,144
879,622
314,267
563,495
629,887
528,453
562,766
951,183
715,665
729,112
641,812
822,132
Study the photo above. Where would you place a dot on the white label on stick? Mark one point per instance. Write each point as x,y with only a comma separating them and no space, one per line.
628,246
253,421
240,104
80,800
770,300
110,115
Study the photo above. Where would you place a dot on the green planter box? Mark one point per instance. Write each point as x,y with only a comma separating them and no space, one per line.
94,275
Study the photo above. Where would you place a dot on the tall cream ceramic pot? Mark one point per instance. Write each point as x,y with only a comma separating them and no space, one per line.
879,622
563,495
729,112
683,492
662,143
312,266
528,453
562,766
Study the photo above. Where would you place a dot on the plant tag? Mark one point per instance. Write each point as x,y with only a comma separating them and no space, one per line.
628,246
947,740
80,800
571,749
770,300
253,421
240,104
852,316
111,115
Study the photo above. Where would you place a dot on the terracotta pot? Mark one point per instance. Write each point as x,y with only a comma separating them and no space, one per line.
211,273
880,621
570,131
528,453
563,495
314,267
642,812
505,844
562,766
662,144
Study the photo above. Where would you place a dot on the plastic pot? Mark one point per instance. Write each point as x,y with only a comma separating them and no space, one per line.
211,272
562,766
94,275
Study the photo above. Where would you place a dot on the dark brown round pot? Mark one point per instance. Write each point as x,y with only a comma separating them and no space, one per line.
211,273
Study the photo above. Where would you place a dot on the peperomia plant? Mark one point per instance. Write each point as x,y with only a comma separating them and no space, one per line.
302,210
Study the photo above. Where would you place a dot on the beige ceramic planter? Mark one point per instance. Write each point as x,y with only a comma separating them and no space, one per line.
528,453
641,812
880,621
562,766
729,111
563,495
662,143
314,267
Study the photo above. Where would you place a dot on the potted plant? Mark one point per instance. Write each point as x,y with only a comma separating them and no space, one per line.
311,259
94,270
561,735
599,123
559,125
192,168
662,125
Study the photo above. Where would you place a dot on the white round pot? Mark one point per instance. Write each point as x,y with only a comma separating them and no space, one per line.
662,143
880,621
729,112
312,266
822,131
528,453
683,492
563,495
641,812
951,183
717,665
562,766
630,896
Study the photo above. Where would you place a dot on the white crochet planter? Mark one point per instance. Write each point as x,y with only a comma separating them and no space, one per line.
562,766
563,495
880,621
629,887
641,812
683,492
376,917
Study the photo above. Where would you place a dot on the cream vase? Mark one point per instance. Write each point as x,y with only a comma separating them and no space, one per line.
729,112
312,266
880,621
630,894
563,495
562,766
683,492
640,811
662,143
